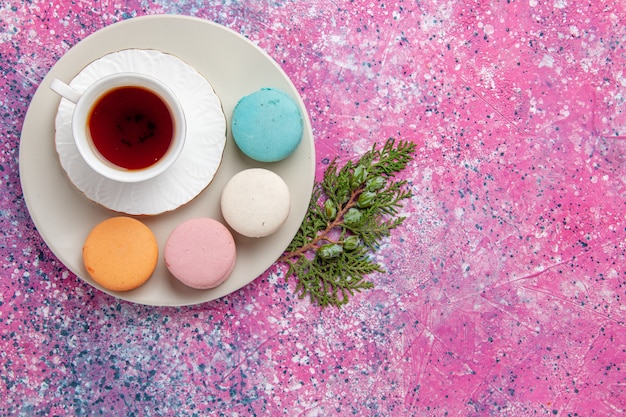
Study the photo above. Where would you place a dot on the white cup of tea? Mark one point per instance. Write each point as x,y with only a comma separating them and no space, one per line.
128,127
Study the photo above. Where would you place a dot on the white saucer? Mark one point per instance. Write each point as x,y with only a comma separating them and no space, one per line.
195,168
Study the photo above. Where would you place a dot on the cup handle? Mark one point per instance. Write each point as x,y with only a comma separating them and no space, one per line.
65,90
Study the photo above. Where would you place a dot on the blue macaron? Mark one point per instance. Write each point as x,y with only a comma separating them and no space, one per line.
267,125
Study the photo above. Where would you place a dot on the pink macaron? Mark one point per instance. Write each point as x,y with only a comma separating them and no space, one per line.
200,253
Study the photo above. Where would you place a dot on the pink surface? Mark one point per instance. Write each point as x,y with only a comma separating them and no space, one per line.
506,288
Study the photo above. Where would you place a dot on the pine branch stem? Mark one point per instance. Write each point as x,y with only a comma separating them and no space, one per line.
336,222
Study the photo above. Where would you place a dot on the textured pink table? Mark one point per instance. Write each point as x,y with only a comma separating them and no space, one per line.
506,291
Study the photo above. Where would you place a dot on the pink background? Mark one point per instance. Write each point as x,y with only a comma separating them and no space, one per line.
506,288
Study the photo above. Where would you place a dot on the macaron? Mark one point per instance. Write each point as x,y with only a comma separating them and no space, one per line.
200,253
255,202
120,253
267,125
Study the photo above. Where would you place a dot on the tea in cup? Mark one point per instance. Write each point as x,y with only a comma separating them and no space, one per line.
128,127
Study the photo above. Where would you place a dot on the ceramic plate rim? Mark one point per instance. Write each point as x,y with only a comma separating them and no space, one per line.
48,196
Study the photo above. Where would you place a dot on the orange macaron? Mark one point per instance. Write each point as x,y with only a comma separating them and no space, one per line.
120,253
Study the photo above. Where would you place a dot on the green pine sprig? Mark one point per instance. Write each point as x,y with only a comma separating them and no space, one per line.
351,210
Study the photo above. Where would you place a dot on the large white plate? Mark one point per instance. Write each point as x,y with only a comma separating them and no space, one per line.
235,67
